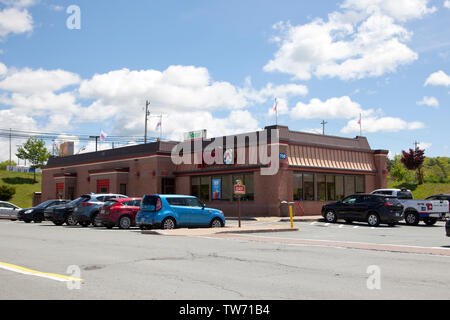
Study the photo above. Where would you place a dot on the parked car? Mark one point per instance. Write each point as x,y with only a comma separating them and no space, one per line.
63,213
173,211
373,209
429,211
441,197
36,214
86,212
8,211
119,212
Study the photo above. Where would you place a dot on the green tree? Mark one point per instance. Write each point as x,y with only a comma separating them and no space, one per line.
6,163
6,192
35,152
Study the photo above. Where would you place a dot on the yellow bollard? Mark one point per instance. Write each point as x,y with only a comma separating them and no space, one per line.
292,216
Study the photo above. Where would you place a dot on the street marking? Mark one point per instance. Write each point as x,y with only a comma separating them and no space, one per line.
26,271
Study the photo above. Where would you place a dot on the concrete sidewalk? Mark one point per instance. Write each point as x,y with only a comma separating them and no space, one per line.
213,231
278,219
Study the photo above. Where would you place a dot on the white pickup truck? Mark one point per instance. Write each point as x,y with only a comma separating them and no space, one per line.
429,211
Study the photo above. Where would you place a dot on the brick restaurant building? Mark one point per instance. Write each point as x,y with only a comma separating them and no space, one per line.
314,170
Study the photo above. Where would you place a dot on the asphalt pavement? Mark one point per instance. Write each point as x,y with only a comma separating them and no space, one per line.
36,261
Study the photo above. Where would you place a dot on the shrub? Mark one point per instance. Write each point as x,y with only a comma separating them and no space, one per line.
6,192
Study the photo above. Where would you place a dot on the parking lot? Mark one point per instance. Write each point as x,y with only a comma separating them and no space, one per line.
319,261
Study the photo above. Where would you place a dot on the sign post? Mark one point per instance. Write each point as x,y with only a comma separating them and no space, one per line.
239,191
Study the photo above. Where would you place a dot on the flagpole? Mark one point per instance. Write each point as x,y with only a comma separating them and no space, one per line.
160,127
360,125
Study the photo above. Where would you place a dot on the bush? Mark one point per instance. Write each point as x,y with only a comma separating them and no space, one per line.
6,192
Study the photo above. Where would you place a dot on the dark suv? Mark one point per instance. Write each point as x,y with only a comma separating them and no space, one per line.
370,208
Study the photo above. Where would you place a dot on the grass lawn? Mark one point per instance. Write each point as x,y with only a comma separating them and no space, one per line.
25,188
422,191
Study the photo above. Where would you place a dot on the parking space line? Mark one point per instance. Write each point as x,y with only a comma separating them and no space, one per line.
26,271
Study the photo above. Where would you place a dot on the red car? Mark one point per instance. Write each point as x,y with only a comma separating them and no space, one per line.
119,213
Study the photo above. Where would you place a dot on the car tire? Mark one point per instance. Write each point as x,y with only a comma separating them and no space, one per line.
330,216
70,220
168,224
430,221
373,220
216,223
58,223
125,222
412,218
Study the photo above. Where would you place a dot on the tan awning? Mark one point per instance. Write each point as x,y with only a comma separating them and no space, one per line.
317,157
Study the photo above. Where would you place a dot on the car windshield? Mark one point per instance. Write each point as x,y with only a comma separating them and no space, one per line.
405,195
44,204
110,203
79,200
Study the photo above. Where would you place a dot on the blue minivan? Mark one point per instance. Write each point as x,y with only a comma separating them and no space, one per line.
173,211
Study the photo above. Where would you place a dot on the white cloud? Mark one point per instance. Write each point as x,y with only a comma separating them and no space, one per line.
425,145
3,69
19,3
36,81
428,101
342,107
376,124
365,40
439,78
447,4
16,21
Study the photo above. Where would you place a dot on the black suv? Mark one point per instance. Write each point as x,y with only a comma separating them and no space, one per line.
63,213
370,208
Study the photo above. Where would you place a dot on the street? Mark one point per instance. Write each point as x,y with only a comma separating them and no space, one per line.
319,261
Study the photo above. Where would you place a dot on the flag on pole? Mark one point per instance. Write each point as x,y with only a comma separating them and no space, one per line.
103,135
275,105
158,125
360,127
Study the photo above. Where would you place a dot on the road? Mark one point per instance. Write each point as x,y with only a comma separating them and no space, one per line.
316,262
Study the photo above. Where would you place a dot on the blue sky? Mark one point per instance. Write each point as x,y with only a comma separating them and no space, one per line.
219,65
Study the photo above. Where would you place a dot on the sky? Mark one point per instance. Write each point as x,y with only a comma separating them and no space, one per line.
82,67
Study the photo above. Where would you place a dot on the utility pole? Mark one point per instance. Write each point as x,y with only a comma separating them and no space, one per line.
9,146
323,123
96,141
147,113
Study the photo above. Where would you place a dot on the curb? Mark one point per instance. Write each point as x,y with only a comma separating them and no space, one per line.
155,232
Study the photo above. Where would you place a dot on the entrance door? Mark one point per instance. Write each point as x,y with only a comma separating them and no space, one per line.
60,191
102,186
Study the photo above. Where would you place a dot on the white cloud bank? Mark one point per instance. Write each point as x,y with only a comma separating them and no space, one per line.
365,39
428,101
439,78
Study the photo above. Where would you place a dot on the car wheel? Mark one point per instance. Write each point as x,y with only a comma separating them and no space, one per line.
125,222
58,223
168,224
331,216
373,220
70,221
216,223
430,221
412,218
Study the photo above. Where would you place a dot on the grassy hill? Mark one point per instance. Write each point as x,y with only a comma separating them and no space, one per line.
23,182
422,191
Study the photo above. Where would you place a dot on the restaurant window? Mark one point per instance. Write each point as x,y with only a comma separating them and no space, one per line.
168,185
221,188
339,181
123,189
360,185
298,186
247,181
331,189
308,187
321,187
200,188
349,185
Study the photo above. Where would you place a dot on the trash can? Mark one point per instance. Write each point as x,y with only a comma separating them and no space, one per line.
284,209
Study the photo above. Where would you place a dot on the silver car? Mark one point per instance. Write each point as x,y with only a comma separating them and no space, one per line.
8,211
